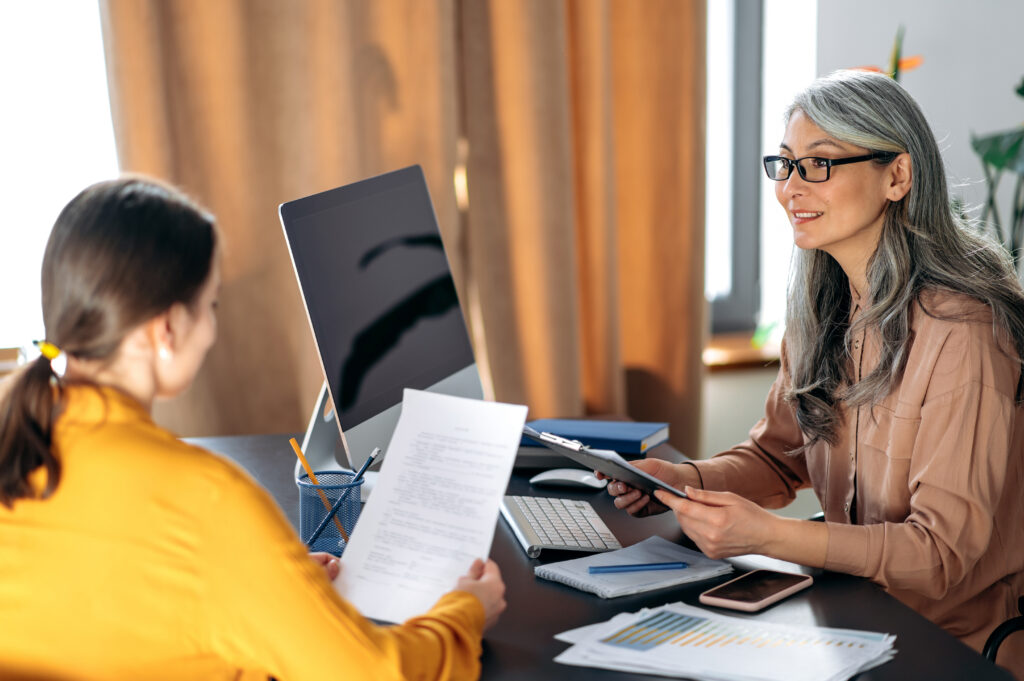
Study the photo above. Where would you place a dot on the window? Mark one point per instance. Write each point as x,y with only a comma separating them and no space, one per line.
56,135
748,236
733,137
785,73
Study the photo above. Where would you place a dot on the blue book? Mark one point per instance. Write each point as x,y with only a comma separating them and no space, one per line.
624,437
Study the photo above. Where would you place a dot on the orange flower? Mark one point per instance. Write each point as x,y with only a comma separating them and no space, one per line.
909,63
905,64
897,62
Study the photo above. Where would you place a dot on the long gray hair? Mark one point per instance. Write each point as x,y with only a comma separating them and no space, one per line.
924,245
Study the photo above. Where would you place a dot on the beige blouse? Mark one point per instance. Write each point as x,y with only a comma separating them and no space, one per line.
924,492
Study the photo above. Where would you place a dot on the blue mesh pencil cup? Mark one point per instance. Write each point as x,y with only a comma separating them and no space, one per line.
318,524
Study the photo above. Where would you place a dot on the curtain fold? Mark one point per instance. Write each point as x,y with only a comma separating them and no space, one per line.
659,80
585,122
579,258
521,208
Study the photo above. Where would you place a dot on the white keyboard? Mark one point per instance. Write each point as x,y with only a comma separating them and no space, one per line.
553,523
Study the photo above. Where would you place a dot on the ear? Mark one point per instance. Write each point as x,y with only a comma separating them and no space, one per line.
166,331
899,178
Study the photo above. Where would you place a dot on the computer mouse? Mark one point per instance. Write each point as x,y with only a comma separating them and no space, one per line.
568,477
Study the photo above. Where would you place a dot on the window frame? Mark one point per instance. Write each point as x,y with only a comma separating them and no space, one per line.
739,310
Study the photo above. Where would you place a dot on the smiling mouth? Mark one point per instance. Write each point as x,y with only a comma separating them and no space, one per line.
807,216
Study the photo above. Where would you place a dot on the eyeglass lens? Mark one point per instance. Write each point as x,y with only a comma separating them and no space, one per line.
811,169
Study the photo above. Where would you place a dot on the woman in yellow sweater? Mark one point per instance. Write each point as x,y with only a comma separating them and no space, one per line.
125,553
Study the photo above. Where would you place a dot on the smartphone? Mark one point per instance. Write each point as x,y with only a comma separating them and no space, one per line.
755,590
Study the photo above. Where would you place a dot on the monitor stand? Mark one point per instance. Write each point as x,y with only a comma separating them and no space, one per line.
324,445
322,442
327,448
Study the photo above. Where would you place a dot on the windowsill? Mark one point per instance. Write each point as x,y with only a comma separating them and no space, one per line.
732,351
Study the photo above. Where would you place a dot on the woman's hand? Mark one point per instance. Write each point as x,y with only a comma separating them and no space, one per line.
484,581
722,524
640,504
330,564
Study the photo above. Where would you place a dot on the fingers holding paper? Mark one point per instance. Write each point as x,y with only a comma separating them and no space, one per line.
484,581
331,565
722,524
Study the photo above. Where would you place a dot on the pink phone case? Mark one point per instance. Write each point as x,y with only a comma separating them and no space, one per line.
753,606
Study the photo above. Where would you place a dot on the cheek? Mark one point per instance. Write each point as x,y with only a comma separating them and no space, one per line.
780,193
212,333
208,333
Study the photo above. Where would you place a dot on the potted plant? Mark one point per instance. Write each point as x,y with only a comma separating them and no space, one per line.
1002,153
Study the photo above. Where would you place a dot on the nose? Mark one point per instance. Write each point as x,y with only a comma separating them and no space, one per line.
793,186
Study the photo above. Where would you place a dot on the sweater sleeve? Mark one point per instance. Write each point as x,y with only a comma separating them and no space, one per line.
760,469
272,608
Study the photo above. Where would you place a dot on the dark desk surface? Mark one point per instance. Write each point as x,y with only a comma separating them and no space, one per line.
522,646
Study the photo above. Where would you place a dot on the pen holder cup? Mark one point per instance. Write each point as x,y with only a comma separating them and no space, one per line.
334,485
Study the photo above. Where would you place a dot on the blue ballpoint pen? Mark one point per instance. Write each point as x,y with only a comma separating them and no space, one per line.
636,567
337,504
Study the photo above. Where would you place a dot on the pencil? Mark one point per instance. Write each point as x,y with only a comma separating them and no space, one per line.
312,479
341,497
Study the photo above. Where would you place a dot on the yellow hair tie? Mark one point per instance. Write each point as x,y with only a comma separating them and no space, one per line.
48,350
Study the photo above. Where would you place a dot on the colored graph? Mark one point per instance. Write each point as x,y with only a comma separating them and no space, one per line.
700,632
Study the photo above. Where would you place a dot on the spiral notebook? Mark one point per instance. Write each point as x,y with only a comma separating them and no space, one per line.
651,550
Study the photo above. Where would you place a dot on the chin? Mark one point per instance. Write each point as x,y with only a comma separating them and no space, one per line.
805,242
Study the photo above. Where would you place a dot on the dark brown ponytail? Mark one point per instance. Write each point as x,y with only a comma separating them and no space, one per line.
26,421
120,253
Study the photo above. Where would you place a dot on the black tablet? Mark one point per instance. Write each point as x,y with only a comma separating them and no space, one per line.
604,460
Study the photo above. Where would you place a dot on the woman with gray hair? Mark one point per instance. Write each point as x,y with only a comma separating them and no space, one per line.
899,398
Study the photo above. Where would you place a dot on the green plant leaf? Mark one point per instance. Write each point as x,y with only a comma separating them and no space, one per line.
894,57
1020,88
1002,150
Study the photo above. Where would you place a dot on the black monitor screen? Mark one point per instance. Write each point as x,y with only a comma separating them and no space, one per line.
378,291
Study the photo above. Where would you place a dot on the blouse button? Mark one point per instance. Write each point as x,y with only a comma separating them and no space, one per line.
846,508
853,457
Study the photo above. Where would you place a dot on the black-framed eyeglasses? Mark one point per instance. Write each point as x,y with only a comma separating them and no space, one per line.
815,168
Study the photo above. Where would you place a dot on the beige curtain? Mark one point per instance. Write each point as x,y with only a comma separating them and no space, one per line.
579,256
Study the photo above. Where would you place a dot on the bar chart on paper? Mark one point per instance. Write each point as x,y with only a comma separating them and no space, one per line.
687,631
681,640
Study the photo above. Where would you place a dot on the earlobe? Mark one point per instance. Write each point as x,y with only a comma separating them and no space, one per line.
161,336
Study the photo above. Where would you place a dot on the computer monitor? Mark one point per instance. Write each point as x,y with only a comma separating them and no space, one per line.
382,305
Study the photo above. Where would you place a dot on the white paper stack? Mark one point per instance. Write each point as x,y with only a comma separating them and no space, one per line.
684,641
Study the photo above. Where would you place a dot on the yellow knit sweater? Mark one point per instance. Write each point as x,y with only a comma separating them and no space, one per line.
158,560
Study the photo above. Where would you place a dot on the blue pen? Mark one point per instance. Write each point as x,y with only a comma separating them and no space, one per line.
637,567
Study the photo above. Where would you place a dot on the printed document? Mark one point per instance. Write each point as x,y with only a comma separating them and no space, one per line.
683,641
434,506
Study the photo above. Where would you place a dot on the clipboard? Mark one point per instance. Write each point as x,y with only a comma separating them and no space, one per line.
604,460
